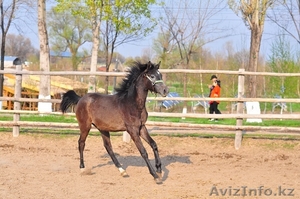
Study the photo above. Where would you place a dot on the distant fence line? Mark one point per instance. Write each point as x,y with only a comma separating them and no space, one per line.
121,74
180,115
239,116
294,100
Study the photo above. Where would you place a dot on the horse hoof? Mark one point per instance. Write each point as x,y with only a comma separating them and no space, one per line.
124,174
158,180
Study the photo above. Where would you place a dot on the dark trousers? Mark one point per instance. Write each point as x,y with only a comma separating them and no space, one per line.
213,108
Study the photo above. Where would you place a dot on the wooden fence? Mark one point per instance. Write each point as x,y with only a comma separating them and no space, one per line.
239,115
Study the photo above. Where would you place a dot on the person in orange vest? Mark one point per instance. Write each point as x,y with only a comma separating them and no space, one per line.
215,92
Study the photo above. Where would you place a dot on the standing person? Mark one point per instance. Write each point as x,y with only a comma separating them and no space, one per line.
215,92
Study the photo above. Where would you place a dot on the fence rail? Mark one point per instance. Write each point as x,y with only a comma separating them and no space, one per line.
224,99
239,116
180,115
122,74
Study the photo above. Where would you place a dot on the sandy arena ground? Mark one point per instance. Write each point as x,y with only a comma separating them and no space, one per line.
47,167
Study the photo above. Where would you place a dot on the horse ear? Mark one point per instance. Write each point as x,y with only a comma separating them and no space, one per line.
148,66
158,65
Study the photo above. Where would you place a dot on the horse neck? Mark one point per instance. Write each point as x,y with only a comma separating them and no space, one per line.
140,94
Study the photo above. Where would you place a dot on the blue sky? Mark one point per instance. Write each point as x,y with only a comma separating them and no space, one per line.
240,36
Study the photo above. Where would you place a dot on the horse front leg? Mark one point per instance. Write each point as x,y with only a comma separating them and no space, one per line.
107,144
145,135
138,142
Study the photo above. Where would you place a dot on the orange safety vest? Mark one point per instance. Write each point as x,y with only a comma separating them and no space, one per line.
215,93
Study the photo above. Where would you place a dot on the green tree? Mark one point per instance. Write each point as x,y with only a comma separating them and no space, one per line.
68,32
162,47
187,26
281,60
253,12
93,11
128,21
121,16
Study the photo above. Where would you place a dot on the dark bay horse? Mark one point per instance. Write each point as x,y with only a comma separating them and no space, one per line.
123,111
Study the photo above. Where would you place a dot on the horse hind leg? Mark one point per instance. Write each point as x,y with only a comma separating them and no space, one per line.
84,131
107,144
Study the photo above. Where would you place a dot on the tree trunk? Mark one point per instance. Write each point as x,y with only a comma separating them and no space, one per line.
94,58
2,52
44,92
2,64
256,35
108,56
6,18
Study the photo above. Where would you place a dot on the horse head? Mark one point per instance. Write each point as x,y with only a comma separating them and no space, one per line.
155,79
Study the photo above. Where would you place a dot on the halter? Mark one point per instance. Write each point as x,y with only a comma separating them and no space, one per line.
154,82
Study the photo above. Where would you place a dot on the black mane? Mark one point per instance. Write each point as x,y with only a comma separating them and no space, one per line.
136,70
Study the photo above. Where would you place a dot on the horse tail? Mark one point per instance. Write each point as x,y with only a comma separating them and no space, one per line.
69,98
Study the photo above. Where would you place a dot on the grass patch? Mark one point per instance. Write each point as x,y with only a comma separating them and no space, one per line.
265,122
94,132
72,119
198,135
289,146
41,118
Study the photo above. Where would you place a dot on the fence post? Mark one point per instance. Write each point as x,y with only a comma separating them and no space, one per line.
240,110
18,89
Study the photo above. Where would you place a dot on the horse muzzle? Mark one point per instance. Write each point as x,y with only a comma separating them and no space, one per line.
161,89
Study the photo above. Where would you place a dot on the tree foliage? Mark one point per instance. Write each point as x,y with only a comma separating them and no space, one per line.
20,46
122,18
128,21
68,32
121,21
253,12
281,60
188,25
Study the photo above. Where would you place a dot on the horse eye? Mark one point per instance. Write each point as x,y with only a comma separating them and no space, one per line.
152,76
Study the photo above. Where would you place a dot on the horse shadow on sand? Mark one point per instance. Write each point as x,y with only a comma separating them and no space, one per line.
138,161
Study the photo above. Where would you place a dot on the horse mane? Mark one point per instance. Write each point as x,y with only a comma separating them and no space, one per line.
127,84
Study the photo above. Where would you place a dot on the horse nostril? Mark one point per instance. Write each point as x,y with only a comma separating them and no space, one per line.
166,91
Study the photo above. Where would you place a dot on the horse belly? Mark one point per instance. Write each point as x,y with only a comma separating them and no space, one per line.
104,112
109,124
